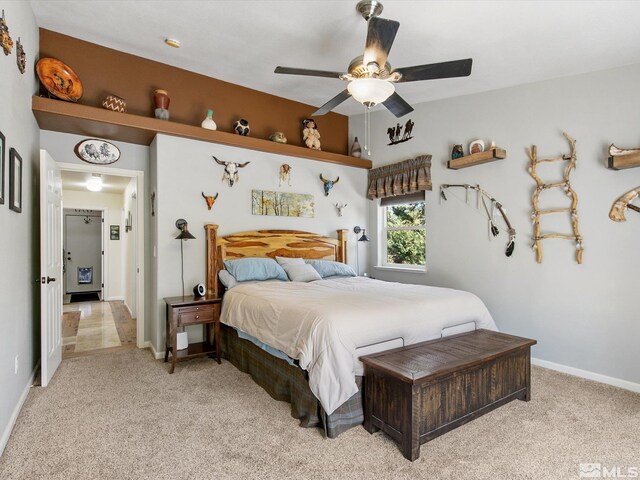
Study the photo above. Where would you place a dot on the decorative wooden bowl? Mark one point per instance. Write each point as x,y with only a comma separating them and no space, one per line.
59,79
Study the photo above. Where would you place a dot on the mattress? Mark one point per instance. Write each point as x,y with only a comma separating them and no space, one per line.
327,324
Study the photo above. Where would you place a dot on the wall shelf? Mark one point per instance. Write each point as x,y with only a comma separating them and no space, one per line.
69,117
479,158
620,162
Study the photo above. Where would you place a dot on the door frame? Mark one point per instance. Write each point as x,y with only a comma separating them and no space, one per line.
104,268
139,231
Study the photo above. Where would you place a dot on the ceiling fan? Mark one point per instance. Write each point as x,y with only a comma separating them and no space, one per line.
371,78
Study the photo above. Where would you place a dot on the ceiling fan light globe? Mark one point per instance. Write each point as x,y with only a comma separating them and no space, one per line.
94,184
370,91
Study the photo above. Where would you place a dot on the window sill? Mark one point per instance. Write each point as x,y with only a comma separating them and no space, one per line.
388,268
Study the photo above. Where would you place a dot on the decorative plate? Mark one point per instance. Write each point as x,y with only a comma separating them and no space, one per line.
59,80
99,152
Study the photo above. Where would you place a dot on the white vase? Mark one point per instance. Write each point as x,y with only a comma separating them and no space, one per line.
208,122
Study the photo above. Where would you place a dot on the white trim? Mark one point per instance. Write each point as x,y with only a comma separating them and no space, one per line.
396,268
110,299
156,355
129,310
596,377
16,411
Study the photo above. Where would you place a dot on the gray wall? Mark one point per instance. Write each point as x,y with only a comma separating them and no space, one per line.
584,316
134,157
19,246
183,168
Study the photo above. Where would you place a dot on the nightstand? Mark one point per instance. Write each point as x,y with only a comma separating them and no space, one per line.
191,310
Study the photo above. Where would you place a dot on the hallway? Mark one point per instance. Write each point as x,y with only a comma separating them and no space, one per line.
96,327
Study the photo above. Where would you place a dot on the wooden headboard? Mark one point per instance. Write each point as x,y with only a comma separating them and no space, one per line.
268,243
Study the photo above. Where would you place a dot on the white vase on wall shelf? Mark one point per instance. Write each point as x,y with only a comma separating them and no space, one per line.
208,122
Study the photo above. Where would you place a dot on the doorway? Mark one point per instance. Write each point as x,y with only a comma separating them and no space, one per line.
82,262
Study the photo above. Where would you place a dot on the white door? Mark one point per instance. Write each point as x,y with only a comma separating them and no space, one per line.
83,248
50,266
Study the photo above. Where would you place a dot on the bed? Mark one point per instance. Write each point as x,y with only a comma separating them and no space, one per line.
302,341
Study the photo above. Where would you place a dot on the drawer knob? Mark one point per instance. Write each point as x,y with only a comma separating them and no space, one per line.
197,316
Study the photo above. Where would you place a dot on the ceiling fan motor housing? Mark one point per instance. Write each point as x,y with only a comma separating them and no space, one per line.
369,8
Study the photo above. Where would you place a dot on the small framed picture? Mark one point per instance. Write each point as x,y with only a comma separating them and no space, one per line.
476,146
15,181
114,232
2,162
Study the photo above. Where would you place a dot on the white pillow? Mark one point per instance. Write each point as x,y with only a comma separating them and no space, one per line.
301,273
289,261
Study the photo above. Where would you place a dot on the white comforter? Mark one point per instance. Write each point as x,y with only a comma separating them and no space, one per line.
322,323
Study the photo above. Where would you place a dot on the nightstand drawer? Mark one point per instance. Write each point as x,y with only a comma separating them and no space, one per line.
195,315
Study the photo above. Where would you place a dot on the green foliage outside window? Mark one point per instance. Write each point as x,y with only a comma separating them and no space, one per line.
406,246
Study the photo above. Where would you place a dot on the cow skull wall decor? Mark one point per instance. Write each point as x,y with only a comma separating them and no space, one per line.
328,184
230,170
210,200
340,208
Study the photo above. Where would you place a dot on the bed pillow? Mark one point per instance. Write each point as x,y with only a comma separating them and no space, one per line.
301,273
248,269
327,268
282,261
227,279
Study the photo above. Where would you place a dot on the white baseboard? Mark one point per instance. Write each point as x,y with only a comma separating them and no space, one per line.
16,411
113,299
128,309
156,355
597,377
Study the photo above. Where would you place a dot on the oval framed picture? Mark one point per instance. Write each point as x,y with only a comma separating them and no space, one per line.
476,146
98,152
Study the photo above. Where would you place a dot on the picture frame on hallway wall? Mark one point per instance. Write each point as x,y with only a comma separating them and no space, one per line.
114,232
15,181
2,162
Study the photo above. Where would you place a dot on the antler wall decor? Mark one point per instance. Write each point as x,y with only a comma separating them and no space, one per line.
566,186
621,204
495,205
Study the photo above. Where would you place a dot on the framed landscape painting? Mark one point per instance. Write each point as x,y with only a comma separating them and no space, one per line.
282,204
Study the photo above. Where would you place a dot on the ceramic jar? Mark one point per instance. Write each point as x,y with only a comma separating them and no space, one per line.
241,127
161,102
356,149
208,122
115,103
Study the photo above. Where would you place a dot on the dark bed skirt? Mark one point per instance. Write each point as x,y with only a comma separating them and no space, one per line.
289,384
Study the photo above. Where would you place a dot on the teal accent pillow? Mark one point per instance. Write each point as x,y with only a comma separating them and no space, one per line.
250,269
327,268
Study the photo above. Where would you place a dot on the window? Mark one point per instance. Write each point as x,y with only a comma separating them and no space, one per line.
404,232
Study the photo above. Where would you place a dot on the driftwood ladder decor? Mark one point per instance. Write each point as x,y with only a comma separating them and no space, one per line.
566,186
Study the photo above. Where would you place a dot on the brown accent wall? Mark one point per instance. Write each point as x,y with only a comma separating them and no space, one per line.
106,71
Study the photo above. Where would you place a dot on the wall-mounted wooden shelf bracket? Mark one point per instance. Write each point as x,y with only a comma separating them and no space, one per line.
69,117
479,158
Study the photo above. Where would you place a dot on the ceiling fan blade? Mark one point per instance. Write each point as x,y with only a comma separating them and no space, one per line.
456,68
380,36
397,105
307,72
331,104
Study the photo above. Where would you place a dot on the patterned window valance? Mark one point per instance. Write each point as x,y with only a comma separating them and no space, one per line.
401,178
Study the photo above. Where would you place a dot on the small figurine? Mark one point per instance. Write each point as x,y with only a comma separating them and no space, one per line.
285,174
457,152
278,137
340,208
210,199
241,127
310,134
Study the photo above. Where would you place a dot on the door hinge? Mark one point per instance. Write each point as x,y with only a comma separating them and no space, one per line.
102,252
103,285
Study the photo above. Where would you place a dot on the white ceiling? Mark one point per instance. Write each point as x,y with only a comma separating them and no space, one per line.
78,181
511,42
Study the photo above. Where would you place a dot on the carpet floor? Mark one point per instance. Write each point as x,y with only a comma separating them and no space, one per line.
122,416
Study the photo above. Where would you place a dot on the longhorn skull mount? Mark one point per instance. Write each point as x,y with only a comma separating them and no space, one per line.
328,184
230,170
210,199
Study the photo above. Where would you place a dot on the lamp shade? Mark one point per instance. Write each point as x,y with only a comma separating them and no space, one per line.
364,237
94,183
184,234
370,91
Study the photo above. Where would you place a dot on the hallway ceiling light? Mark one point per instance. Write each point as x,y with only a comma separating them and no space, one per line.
94,183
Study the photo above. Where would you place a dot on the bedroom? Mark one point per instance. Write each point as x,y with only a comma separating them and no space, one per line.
578,72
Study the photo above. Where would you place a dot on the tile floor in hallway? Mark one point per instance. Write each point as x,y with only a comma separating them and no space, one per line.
96,327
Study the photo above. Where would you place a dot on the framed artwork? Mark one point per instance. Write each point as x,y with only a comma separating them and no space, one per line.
98,152
15,181
2,162
282,204
114,232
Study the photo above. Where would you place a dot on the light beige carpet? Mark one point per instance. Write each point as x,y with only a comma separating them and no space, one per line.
122,416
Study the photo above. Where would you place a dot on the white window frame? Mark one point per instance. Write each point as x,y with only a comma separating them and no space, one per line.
383,264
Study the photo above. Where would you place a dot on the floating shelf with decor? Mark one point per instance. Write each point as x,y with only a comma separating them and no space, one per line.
479,158
101,123
623,160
